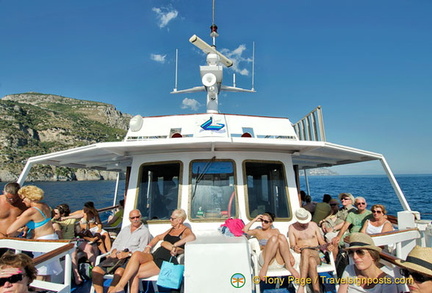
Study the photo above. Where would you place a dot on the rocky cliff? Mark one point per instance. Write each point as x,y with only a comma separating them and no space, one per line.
34,124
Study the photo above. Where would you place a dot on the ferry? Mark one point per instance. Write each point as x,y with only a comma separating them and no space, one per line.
218,166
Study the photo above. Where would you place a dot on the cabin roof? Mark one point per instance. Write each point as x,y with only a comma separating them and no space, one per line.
116,156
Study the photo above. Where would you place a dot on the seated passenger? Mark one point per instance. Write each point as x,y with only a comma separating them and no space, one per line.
417,269
91,229
88,241
274,246
354,221
322,209
146,264
131,238
365,275
309,205
65,229
17,271
115,219
331,225
306,239
79,213
379,222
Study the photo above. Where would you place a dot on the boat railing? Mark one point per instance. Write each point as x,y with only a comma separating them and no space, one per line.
53,250
401,241
311,126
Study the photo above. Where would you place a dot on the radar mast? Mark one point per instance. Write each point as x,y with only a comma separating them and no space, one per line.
212,73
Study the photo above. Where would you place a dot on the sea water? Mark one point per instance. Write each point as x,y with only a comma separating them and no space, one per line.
376,189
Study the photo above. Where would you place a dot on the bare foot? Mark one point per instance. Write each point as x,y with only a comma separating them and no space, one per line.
78,280
263,273
115,290
300,289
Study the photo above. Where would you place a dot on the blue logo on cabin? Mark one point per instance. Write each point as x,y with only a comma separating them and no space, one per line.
209,126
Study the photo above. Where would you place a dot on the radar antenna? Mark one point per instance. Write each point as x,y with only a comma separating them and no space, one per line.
212,73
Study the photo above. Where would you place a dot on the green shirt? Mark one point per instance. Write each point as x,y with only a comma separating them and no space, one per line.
357,220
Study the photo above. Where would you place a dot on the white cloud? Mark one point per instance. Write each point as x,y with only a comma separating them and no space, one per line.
190,104
158,58
236,56
165,15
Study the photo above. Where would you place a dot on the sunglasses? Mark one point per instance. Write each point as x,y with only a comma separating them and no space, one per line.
359,252
416,276
360,203
137,217
377,212
333,204
172,219
12,279
265,221
346,198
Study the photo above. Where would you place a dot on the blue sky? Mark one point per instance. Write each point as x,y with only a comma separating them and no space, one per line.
366,62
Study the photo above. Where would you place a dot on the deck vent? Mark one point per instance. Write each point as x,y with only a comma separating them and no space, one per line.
246,134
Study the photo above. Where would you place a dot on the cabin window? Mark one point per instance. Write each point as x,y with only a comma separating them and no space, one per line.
158,190
266,189
212,184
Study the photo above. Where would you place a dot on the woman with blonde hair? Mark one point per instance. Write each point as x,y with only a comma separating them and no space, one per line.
17,271
146,264
379,222
37,219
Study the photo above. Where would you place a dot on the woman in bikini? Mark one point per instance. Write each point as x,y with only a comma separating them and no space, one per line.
146,264
274,245
91,229
38,220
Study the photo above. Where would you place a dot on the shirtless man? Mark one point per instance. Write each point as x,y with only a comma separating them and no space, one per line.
305,238
11,206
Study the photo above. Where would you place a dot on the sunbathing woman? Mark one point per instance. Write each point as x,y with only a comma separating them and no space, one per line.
144,264
274,246
92,231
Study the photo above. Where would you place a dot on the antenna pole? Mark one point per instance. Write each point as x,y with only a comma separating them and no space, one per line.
253,66
176,71
213,28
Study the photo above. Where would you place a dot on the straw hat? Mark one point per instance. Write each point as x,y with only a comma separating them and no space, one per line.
361,241
346,194
333,201
419,259
303,216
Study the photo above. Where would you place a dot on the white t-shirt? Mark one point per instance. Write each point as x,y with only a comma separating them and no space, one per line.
388,283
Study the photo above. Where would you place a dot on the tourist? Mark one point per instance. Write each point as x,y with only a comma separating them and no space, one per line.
116,218
17,271
11,206
365,275
146,264
417,268
65,229
275,252
91,229
131,238
379,222
322,209
37,219
306,239
354,221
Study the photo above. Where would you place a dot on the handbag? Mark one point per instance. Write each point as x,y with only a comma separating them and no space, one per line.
171,275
